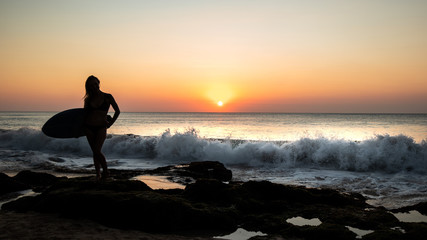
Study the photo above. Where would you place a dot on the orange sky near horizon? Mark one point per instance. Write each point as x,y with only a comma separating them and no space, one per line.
254,56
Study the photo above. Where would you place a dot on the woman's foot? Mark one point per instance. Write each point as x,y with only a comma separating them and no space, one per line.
105,175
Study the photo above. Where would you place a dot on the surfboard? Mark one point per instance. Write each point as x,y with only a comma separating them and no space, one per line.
66,124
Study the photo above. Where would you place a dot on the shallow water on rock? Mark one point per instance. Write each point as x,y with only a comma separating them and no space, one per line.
300,221
16,195
158,182
411,217
359,232
241,234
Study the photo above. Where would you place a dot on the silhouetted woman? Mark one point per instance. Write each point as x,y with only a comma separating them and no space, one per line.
97,104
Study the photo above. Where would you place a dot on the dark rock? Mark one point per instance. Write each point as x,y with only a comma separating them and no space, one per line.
386,234
36,180
324,231
285,196
212,205
420,207
174,191
8,184
209,190
125,204
415,230
196,170
125,174
87,184
209,169
373,219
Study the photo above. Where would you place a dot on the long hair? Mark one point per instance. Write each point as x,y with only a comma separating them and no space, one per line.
90,92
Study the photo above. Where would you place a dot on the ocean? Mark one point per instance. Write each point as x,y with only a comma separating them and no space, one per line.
381,156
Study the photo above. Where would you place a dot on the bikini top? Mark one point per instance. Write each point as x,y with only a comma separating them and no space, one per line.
104,106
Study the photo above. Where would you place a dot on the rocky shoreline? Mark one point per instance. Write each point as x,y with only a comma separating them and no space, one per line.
211,205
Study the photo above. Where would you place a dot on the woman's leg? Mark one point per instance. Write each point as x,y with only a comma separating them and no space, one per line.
101,135
91,138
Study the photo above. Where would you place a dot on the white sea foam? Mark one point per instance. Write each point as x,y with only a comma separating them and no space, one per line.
382,153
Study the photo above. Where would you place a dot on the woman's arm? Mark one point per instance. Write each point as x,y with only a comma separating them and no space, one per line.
116,109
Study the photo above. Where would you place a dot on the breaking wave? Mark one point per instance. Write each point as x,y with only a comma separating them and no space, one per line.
383,153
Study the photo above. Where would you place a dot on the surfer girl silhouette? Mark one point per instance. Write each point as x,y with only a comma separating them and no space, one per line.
96,104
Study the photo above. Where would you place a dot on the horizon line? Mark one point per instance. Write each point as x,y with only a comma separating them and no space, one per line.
241,112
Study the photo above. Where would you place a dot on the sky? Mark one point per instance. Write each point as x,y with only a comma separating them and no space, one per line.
364,56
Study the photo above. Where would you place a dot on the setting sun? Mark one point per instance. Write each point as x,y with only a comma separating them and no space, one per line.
253,56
